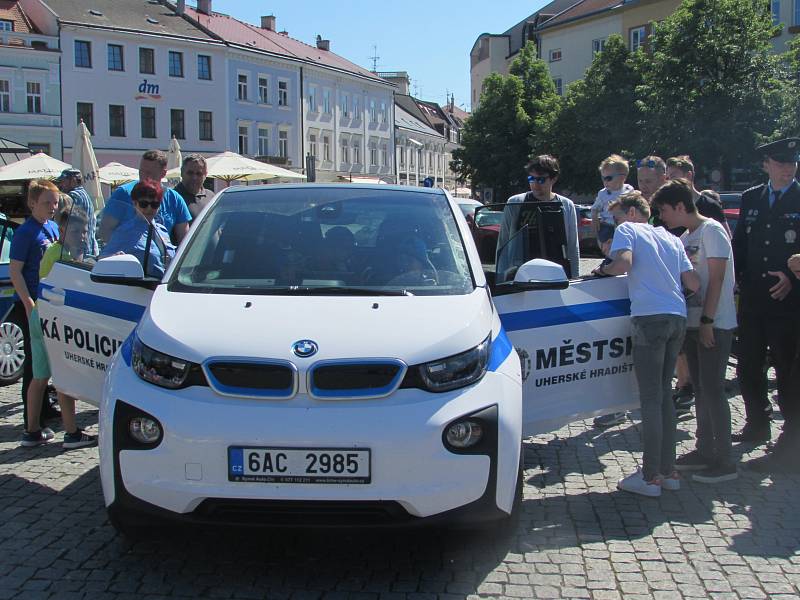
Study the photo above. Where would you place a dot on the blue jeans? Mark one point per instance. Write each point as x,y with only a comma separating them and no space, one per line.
657,340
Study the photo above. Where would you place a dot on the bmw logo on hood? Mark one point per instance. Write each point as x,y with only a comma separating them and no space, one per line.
305,348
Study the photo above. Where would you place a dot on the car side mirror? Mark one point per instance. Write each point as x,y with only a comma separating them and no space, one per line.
121,269
540,274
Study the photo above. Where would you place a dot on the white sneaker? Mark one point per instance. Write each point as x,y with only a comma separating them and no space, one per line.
672,482
636,484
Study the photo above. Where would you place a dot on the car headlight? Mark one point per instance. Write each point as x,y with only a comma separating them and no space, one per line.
456,371
158,368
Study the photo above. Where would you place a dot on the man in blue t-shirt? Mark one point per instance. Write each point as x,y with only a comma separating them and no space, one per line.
173,214
28,245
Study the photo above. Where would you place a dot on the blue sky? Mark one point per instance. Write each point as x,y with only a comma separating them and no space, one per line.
430,40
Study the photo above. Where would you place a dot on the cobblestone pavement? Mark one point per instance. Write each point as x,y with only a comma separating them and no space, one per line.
577,537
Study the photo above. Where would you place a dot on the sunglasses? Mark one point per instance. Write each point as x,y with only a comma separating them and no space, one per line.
610,177
539,180
154,204
650,164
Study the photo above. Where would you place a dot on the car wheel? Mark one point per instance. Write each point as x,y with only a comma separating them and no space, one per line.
12,352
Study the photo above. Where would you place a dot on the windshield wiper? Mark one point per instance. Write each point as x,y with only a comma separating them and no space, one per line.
324,290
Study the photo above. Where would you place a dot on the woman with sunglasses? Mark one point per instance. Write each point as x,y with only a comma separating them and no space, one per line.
144,236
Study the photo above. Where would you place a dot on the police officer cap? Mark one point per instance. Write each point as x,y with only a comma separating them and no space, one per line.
67,173
786,150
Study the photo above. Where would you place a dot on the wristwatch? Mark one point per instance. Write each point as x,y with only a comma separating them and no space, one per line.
706,320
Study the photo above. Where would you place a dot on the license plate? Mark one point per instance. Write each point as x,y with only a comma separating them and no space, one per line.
299,465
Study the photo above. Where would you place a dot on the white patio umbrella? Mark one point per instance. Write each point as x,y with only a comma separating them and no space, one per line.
174,157
230,166
38,166
85,161
115,174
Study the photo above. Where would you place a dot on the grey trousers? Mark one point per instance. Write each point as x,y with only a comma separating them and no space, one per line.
707,368
657,340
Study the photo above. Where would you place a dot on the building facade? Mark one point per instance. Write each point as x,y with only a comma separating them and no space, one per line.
30,97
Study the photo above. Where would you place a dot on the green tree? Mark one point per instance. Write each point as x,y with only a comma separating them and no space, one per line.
495,139
710,83
789,125
540,100
598,117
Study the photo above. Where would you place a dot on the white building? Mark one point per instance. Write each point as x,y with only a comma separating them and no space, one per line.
137,74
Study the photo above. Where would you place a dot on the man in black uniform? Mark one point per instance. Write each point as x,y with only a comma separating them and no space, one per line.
767,234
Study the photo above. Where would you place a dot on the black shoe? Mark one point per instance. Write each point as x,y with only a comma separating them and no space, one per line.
683,397
753,435
609,420
716,474
694,461
78,439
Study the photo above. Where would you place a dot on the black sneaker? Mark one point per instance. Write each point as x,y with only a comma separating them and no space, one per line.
694,461
716,474
37,438
610,420
683,397
79,439
753,434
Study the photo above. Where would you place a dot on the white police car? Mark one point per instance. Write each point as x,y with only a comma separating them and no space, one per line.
320,352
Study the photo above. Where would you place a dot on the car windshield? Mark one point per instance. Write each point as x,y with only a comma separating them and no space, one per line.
302,240
489,217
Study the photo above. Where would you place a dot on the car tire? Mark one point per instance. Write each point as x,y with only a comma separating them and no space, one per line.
12,351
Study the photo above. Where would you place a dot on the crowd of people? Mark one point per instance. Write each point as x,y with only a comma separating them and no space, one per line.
140,218
685,267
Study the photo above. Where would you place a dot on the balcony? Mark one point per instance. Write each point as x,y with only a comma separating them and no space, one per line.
16,39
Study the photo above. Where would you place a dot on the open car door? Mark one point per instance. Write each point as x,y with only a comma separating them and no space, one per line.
573,336
12,336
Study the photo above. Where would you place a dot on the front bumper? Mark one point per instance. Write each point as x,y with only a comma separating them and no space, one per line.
414,478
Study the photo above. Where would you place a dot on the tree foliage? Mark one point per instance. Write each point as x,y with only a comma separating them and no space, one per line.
495,138
540,101
599,117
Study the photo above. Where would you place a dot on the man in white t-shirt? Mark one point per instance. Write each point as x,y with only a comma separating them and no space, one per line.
711,322
658,270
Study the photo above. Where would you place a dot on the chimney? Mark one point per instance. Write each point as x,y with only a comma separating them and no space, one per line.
323,44
181,7
284,32
204,7
268,22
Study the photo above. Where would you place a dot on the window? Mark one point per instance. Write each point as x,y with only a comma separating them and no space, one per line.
412,153
263,141
345,107
177,123
326,148
776,12
148,118
401,156
86,114
637,38
312,99
263,90
326,101
373,116
83,54
204,67
5,95
116,120
598,45
241,86
283,93
796,12
244,141
283,144
345,151
115,62
373,155
33,93
384,114
147,61
206,126
175,64
559,85
356,108
6,25
356,152
312,145
555,55
384,156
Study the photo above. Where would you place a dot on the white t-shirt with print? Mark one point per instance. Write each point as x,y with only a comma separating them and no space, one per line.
710,241
604,198
654,280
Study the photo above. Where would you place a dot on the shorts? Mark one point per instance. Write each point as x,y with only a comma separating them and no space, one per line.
39,361
605,232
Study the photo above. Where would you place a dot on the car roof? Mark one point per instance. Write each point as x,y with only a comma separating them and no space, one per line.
337,186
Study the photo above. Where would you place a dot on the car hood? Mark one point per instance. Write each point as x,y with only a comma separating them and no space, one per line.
413,329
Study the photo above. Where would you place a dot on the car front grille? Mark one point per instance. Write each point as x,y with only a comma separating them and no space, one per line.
252,379
355,379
